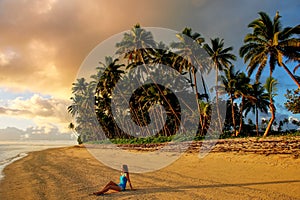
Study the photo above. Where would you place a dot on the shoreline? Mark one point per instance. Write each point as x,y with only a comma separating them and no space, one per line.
9,161
12,150
72,173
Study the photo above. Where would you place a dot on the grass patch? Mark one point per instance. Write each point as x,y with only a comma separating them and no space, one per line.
148,140
183,138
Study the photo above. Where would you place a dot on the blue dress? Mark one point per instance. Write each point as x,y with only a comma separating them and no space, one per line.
123,181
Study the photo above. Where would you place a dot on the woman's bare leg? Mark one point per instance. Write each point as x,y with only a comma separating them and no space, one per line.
110,183
110,186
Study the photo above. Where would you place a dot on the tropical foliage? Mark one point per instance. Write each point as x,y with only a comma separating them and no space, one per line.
269,44
293,101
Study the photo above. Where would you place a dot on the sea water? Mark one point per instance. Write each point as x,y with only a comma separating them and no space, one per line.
11,151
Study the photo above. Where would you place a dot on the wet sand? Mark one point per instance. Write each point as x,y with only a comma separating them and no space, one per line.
73,173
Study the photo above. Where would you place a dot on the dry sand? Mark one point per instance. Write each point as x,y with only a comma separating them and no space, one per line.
72,173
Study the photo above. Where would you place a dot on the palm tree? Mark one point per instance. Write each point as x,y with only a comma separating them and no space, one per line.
244,91
190,57
269,42
260,103
75,107
80,101
136,45
71,126
236,85
221,58
270,86
229,84
111,75
80,86
205,116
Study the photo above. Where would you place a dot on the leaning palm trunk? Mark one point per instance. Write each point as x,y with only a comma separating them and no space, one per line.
272,109
290,73
271,88
233,116
197,95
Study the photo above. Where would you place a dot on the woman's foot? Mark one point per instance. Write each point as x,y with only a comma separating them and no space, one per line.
97,193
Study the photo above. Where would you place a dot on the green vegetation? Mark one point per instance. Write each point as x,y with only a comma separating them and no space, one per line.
146,140
293,101
269,45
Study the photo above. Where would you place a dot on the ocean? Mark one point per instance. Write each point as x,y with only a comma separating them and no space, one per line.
11,151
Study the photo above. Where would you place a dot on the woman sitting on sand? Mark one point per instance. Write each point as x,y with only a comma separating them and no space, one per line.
117,187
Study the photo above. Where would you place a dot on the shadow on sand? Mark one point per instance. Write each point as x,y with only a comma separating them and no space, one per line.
149,190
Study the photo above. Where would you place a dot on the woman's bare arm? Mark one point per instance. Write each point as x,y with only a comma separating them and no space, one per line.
127,176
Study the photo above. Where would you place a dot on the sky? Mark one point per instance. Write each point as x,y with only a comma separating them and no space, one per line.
44,42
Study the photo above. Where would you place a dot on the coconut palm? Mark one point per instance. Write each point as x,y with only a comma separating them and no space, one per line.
80,100
244,91
80,86
229,85
270,43
136,46
71,126
260,103
236,85
111,75
205,116
221,58
191,57
75,107
271,89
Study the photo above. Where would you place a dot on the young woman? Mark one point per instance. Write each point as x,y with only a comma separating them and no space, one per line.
124,178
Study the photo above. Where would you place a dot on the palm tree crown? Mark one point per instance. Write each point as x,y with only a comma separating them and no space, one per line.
269,42
220,57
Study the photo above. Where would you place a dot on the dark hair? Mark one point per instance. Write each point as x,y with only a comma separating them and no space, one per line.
125,168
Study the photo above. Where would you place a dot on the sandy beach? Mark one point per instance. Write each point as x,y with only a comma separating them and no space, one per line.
73,173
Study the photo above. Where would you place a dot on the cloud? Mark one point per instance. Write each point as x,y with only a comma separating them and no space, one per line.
51,38
7,56
12,133
47,113
43,43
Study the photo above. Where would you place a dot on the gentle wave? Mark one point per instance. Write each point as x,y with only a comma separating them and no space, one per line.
4,163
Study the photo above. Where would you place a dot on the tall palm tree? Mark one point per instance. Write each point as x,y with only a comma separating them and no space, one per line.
82,108
271,89
136,45
221,58
244,91
190,57
260,103
271,43
229,85
75,107
111,75
236,85
81,93
80,86
205,116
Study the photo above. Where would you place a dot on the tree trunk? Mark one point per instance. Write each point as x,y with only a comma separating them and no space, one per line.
196,89
217,104
241,114
233,116
291,75
256,120
204,87
272,109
